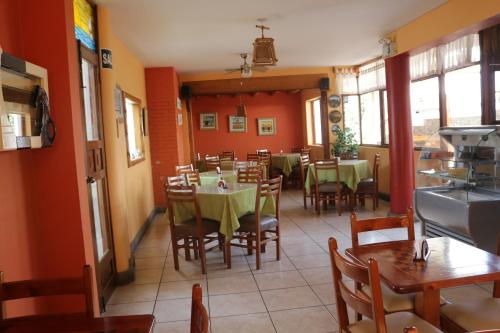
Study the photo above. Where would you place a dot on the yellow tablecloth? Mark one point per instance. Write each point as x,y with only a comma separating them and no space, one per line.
225,206
285,162
351,172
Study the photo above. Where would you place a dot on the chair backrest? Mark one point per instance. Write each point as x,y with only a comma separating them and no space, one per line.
227,155
240,165
199,314
371,308
261,152
304,166
176,180
212,162
81,285
376,166
381,223
269,188
181,169
183,194
253,157
193,177
249,175
306,151
324,166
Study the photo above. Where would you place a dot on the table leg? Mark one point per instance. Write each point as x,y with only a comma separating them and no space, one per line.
427,305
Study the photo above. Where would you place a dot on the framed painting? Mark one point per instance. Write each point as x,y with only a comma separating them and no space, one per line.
208,121
266,126
237,124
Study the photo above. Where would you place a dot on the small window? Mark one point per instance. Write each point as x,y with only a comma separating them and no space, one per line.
371,131
316,114
133,129
351,115
463,96
425,114
497,95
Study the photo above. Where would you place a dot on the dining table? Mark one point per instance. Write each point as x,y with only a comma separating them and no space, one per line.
212,177
285,162
80,324
351,172
451,263
225,205
224,164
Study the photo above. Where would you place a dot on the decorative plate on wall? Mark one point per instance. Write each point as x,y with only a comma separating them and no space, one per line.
335,116
334,101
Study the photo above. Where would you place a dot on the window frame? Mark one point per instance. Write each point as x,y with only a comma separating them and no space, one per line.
137,101
313,123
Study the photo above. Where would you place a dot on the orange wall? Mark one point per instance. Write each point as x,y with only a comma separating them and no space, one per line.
286,108
44,214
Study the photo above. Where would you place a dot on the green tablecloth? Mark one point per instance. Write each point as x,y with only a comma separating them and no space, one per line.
285,162
225,206
351,172
212,177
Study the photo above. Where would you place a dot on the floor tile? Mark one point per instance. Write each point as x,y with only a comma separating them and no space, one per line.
290,298
325,292
252,323
317,275
173,327
276,280
179,289
143,276
128,309
174,309
310,320
134,293
148,263
231,285
311,260
184,273
236,304
147,252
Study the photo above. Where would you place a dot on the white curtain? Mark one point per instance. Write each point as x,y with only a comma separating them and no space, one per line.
347,83
457,54
372,76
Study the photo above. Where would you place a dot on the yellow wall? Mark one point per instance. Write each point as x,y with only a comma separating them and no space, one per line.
130,188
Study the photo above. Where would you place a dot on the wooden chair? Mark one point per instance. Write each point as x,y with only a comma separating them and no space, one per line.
193,177
241,165
303,168
182,169
253,157
194,231
81,285
371,308
261,152
393,302
302,151
212,162
227,155
254,227
249,175
369,187
473,314
328,191
177,180
199,314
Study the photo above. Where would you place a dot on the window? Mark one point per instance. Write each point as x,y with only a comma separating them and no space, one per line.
463,96
316,114
371,132
133,128
351,115
497,95
425,113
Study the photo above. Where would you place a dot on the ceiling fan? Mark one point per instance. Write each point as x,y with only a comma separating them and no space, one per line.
246,69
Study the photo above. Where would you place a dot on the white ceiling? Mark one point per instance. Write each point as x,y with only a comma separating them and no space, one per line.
208,35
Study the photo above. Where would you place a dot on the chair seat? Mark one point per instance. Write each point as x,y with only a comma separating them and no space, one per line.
188,228
329,187
247,223
366,185
475,314
394,302
396,322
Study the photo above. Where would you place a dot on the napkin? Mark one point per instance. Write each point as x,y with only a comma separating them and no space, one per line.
218,170
421,250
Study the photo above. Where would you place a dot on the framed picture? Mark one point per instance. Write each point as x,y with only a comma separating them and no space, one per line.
237,124
266,126
208,121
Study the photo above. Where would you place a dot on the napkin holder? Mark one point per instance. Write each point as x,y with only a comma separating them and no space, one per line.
421,250
222,184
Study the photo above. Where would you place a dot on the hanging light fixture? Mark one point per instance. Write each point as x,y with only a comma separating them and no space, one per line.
241,109
264,53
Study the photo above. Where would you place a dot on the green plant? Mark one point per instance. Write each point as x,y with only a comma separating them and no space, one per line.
345,143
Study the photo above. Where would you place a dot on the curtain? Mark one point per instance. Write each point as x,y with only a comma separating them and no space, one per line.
347,81
459,53
372,76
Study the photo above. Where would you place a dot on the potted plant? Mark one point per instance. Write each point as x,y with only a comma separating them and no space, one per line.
345,146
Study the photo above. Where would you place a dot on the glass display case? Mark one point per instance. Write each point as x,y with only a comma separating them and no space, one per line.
458,186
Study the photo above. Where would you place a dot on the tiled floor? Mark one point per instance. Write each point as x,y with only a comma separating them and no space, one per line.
292,295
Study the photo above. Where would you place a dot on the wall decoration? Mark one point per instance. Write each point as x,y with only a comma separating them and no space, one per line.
179,104
144,123
334,101
106,59
179,119
266,126
118,103
237,124
84,16
208,121
335,116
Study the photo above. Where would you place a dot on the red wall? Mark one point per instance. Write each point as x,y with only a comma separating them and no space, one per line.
286,108
43,206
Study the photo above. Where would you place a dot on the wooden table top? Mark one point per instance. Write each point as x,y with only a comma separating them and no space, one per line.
60,324
451,263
